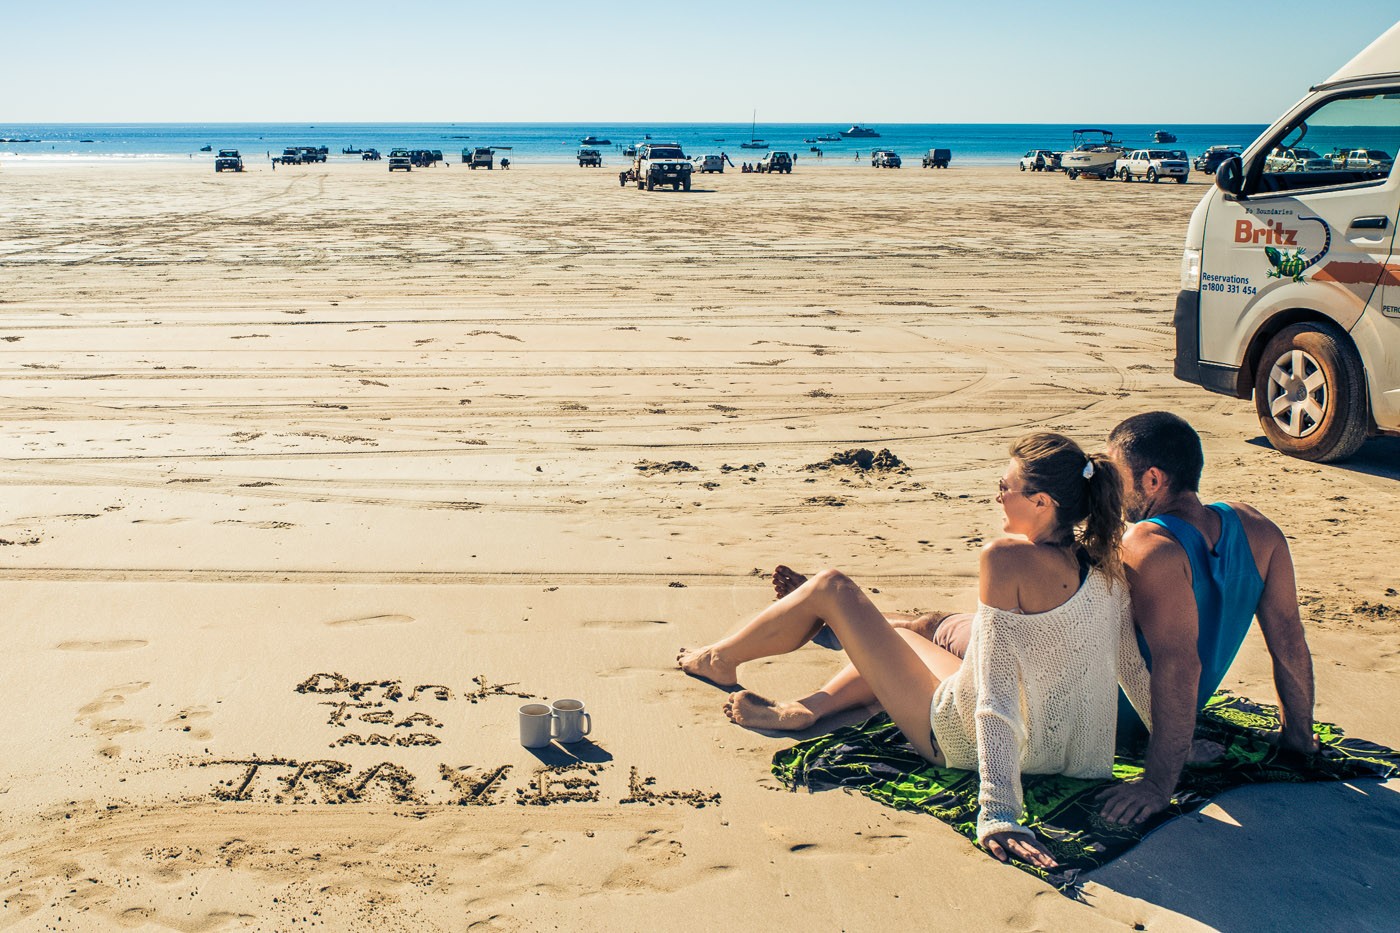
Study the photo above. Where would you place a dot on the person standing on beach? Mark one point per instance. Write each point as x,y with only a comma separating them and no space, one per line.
1036,691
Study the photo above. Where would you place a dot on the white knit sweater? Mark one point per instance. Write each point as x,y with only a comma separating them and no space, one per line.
1037,694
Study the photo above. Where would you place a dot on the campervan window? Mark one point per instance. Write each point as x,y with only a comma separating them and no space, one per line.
1345,123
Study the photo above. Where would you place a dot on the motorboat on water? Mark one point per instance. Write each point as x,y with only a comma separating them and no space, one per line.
860,132
594,141
351,150
1162,136
1095,152
829,138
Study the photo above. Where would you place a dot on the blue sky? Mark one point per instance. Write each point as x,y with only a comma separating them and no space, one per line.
819,60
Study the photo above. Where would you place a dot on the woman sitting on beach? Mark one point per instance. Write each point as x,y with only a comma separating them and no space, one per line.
1051,640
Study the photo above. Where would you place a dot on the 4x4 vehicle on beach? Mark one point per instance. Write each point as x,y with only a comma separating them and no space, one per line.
1290,279
228,160
590,158
1212,157
1037,160
660,164
479,157
370,155
400,159
1297,159
1152,164
1370,160
776,161
291,156
885,158
938,158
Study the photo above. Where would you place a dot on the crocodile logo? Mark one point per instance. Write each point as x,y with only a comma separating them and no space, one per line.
1290,263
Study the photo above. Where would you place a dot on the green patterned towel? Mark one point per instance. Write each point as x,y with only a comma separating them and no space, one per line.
874,758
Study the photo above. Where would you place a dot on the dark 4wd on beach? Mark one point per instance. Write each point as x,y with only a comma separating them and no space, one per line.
228,160
776,162
590,158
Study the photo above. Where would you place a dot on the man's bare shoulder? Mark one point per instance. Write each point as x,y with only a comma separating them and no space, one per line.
1149,542
1256,523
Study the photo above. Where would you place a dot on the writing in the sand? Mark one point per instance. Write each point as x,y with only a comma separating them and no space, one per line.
284,780
382,706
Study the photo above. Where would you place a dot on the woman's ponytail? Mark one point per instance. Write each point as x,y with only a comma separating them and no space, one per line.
1102,536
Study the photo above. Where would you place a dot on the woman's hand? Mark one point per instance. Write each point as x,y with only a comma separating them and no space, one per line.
1026,848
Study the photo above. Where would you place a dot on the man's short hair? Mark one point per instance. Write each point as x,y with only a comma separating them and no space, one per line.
1163,440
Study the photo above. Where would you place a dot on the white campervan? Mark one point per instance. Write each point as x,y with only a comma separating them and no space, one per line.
1290,283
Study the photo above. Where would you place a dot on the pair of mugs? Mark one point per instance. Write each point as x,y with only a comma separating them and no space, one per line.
565,720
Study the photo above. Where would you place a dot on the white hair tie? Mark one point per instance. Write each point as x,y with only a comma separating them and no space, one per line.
1088,468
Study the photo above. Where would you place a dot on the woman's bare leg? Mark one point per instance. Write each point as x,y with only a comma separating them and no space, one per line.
846,690
896,671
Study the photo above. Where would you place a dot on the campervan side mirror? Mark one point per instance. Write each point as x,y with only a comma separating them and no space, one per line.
1229,178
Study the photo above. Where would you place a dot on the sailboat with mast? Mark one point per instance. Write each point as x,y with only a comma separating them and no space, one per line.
754,142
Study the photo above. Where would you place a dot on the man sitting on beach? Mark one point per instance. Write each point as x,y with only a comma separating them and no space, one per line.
1199,574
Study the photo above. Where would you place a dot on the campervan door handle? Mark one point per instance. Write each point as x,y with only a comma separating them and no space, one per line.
1370,223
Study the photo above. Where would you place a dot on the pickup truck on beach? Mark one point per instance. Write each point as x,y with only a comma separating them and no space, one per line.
659,164
1152,164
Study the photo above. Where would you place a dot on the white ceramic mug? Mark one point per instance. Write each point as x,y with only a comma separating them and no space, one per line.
571,722
536,725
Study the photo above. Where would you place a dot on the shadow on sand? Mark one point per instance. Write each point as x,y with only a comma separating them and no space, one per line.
1321,855
1379,456
557,753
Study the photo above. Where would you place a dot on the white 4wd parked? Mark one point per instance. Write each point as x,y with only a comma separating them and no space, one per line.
1290,280
1152,164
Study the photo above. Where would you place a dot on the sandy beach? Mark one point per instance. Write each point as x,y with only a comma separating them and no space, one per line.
282,448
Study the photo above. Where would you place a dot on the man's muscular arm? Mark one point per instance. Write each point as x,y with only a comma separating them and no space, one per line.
1282,626
1164,609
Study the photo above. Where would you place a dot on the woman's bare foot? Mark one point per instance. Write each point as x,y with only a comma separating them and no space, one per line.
785,580
706,664
752,711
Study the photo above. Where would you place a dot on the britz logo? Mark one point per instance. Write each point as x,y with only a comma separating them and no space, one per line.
1270,234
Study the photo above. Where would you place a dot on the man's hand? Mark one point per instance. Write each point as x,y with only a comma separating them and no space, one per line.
1026,848
1129,802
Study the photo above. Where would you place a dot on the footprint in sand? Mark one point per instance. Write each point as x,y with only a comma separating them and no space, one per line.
385,619
109,699
624,625
116,644
187,720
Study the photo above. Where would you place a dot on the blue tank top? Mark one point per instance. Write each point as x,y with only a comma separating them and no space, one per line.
1227,587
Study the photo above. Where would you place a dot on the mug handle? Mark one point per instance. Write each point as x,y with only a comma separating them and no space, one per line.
554,731
588,724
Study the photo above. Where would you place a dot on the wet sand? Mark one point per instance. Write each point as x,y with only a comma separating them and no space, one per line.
526,433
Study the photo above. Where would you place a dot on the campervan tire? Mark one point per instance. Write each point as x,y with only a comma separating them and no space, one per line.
1310,393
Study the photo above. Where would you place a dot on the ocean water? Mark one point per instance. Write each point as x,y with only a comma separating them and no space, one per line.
971,143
